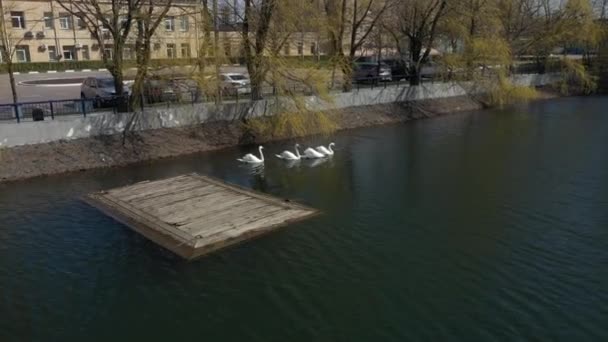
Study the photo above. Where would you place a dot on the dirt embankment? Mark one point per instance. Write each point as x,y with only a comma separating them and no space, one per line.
108,151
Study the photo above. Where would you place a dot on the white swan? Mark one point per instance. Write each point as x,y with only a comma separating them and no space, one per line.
250,158
326,151
311,153
288,155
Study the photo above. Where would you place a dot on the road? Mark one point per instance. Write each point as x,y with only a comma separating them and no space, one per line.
33,93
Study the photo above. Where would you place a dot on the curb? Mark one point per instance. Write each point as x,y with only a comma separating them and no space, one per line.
55,71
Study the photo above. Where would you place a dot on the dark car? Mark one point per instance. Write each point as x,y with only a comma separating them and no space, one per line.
371,72
157,89
399,67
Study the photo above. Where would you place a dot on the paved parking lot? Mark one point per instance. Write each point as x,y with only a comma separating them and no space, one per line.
31,93
28,93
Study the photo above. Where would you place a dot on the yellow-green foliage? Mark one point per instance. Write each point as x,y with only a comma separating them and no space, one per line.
505,92
575,78
292,124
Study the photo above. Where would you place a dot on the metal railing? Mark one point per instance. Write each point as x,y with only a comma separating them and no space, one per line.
51,110
54,109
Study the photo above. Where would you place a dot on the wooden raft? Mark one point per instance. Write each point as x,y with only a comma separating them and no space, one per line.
192,215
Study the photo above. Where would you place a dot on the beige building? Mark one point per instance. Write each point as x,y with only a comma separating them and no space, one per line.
43,31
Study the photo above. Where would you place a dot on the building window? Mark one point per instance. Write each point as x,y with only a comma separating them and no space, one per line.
18,20
227,48
105,33
169,23
300,48
48,20
107,51
184,25
80,24
185,50
313,48
85,52
171,51
65,21
69,53
22,53
127,53
286,49
52,53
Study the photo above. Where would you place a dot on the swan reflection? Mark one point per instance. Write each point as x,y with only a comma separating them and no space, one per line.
253,169
316,162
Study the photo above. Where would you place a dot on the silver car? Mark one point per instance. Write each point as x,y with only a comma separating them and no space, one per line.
235,83
101,89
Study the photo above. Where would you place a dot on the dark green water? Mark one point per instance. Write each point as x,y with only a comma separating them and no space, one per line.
472,227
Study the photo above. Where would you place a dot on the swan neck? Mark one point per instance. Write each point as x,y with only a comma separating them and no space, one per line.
261,154
297,151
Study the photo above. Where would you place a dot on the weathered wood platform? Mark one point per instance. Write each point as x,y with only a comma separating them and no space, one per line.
192,215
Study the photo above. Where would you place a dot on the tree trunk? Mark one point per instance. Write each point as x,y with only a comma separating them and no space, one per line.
116,71
415,61
142,49
414,77
11,77
253,67
347,73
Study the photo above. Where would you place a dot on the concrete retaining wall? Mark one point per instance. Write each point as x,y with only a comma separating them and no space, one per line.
26,133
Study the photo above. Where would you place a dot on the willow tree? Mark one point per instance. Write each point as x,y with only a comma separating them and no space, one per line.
415,24
484,57
268,28
107,21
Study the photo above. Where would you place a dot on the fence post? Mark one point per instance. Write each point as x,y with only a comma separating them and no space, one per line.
237,96
84,107
52,110
16,109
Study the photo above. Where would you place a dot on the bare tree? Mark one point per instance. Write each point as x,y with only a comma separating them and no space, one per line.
8,46
106,21
256,26
148,16
357,19
416,26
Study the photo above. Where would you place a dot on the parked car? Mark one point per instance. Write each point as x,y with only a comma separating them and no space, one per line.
430,70
366,59
157,89
235,83
371,72
399,68
100,89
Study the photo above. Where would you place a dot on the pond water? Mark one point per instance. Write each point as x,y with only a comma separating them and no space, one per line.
477,226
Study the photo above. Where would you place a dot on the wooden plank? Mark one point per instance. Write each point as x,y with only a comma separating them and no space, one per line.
250,216
137,186
218,218
252,228
187,211
154,190
172,198
138,215
210,213
264,197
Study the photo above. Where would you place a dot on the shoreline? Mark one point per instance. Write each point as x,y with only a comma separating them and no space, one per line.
30,161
